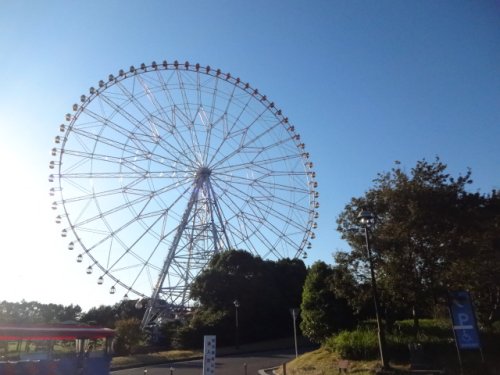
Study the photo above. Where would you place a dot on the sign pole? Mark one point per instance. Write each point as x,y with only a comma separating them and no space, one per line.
455,337
463,317
208,355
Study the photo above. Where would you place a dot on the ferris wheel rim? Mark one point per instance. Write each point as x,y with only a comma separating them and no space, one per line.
206,70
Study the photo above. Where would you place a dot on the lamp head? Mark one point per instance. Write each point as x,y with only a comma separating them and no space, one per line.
366,218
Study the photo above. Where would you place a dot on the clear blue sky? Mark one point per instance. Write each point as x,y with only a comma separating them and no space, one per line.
364,82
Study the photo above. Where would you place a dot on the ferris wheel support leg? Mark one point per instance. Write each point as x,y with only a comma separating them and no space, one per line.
153,310
218,213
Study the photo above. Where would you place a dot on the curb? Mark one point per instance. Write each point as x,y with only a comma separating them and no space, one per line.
267,371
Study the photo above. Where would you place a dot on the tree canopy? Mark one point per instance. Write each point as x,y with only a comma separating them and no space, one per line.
36,312
431,236
322,312
265,292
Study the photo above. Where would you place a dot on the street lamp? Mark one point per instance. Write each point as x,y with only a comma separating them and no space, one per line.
367,219
236,304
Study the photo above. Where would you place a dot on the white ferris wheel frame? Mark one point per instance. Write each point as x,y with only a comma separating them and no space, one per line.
185,158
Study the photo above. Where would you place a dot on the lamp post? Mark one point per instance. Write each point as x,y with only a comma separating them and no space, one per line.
236,334
295,312
367,219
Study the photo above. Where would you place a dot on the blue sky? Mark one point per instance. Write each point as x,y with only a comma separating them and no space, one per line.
365,83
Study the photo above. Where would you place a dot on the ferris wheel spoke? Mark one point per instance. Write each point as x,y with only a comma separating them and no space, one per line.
205,119
166,93
246,144
248,221
152,131
260,163
179,119
142,198
208,136
139,238
190,117
228,130
182,91
145,266
254,200
222,117
74,185
73,164
213,98
263,181
114,235
114,126
119,139
235,209
269,212
159,108
112,143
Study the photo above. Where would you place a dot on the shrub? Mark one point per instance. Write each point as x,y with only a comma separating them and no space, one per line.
357,344
129,336
434,335
430,329
495,327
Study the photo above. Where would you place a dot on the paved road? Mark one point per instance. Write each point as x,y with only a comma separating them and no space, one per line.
230,365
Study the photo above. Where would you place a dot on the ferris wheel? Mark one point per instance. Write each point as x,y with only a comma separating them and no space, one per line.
164,165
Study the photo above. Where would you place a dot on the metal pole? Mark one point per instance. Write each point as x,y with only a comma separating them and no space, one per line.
295,332
236,325
380,330
455,337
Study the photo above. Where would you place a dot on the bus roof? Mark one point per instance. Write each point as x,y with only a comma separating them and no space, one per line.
52,332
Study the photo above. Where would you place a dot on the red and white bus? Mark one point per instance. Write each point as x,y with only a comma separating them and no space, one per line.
55,349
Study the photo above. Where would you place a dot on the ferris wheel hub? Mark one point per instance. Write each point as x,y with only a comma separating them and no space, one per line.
203,173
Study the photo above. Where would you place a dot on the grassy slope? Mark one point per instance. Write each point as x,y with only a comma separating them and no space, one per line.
322,362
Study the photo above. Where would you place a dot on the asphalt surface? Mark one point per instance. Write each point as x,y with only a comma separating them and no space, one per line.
227,365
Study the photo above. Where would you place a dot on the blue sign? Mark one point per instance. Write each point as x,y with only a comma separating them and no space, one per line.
464,321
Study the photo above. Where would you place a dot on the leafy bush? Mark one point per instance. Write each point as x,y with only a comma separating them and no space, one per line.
357,344
495,327
362,343
429,329
129,336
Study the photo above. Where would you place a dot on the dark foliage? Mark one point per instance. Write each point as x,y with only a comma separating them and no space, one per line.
431,236
265,292
322,311
36,312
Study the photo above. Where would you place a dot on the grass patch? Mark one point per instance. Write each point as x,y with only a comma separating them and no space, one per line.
324,362
138,360
153,358
360,347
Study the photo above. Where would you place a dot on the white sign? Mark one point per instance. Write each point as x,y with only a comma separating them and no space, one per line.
209,355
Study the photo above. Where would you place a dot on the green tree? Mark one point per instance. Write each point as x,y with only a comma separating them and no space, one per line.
265,291
322,312
129,336
36,312
104,316
477,260
428,227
